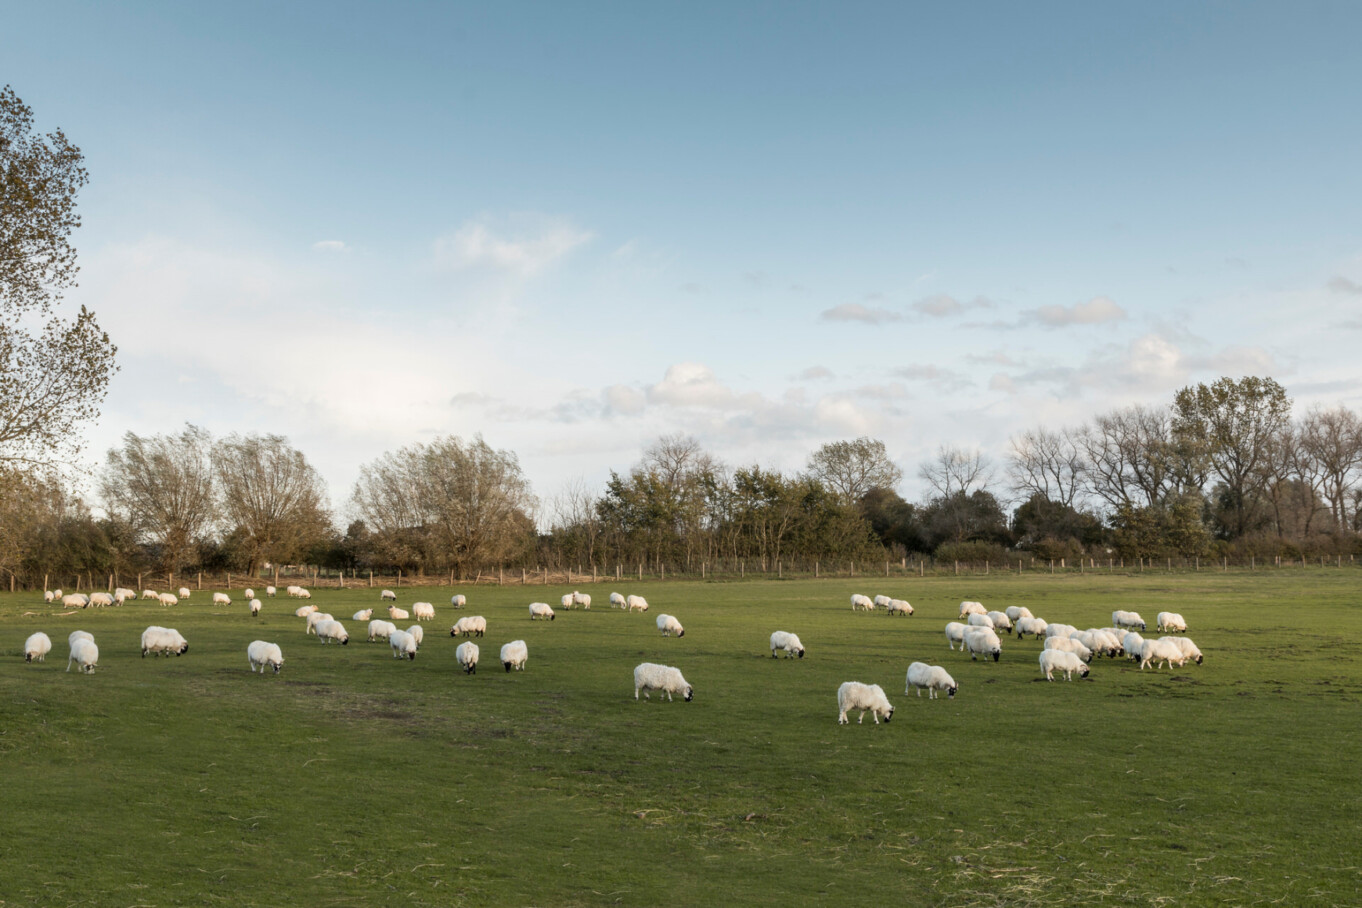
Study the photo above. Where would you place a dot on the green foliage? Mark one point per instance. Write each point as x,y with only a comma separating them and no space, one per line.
1173,529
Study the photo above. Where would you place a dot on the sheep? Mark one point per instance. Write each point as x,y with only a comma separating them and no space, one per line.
380,628
329,629
1098,641
48,596
1059,630
514,654
157,640
169,599
932,677
424,611
303,611
566,601
79,600
649,676
788,642
261,654
1188,648
669,625
85,655
1127,619
982,641
881,601
470,625
541,610
146,594
977,620
582,599
865,697
78,635
36,647
898,607
363,614
248,594
467,654
403,645
1000,621
1161,652
968,608
255,608
1069,645
861,602
1057,660
458,601
222,599
1132,643
636,602
398,614
616,600
183,592
270,592
418,632
293,591
304,594
100,600
955,633
387,596
1033,626
313,618
1013,612
57,594
123,594
1170,621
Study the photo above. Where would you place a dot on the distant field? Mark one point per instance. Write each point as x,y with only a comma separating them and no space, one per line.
354,779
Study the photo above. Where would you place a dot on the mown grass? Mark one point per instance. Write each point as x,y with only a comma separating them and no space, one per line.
355,779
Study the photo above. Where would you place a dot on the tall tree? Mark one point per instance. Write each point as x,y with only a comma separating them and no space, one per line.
162,485
56,378
956,472
271,496
1047,463
1331,442
849,469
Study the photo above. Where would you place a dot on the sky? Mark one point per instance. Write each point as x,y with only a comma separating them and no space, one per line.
574,227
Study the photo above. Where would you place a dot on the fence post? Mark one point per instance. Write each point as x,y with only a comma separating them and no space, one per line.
522,576
110,583
1052,565
742,568
229,580
778,569
593,572
399,578
139,583
921,568
815,569
886,569
640,570
501,575
957,568
1019,567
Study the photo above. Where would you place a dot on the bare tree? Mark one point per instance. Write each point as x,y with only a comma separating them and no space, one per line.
852,468
1331,442
1047,463
955,471
272,495
1133,459
162,485
575,516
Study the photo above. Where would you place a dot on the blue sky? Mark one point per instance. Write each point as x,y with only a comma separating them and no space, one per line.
574,227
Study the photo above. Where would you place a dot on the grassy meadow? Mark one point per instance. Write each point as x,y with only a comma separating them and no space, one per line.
354,779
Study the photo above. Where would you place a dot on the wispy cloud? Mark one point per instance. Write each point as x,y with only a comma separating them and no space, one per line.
330,246
815,373
942,305
1095,311
1341,284
526,252
855,312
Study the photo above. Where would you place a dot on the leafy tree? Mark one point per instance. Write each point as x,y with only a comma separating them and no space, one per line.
849,469
162,485
894,521
272,496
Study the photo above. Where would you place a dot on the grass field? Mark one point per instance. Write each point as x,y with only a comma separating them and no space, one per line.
355,779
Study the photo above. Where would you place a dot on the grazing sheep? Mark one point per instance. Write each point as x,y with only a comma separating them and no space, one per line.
403,645
471,625
48,596
1013,612
582,599
269,592
1101,641
541,610
418,632
982,641
293,591
304,594
122,595
248,594
57,594
261,654
36,647
1127,619
1034,626
566,601
387,596
146,594
78,635
168,599
977,620
649,676
1000,621
467,654
1188,648
669,625
636,602
85,655
398,614
514,654
222,599
313,618
881,601
255,608
859,602
100,600
380,628
329,629
1132,643
1069,645
865,697
616,600
1161,652
183,592
898,607
80,600
363,614
458,601
968,608
932,677
304,610
1057,660
1059,630
1170,621
955,633
788,642
424,611
157,640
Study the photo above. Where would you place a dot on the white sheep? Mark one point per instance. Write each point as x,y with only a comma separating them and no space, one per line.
1069,645
313,618
387,596
881,601
1161,652
363,614
57,594
1188,648
955,633
514,654
157,640
330,629
380,628
36,647
1132,643
146,594
303,611
788,642
78,635
859,602
932,677
898,607
1100,641
222,599
424,611
983,641
1170,621
969,607
566,601
1126,619
100,600
865,697
403,645
469,625
398,614
582,599
122,594
1000,621
270,592
248,594
541,610
1059,630
649,676
77,600
617,600
48,596
168,599
467,654
85,655
1033,626
418,632
260,654
1057,660
636,602
304,594
183,592
977,620
255,608
669,625
458,601
1013,612
293,591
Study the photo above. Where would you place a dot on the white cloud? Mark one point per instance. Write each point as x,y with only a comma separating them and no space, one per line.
624,399
330,246
1341,284
855,312
815,373
942,305
529,251
1095,311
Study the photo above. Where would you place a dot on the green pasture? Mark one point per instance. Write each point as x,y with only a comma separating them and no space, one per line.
352,779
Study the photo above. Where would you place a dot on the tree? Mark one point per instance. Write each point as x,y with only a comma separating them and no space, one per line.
849,469
1049,464
1133,459
52,380
1331,442
955,471
162,485
271,496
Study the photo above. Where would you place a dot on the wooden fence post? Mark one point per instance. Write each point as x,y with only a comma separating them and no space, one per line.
399,578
